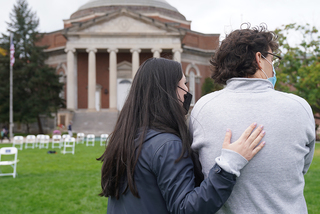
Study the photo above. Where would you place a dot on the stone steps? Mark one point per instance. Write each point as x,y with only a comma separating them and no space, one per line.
96,123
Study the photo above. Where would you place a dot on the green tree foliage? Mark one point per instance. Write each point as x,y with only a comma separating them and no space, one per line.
209,86
36,86
299,71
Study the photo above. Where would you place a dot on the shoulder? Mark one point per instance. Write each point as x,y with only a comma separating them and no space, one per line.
295,102
205,102
156,140
160,148
294,98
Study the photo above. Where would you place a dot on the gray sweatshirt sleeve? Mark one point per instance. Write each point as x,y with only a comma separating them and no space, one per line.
231,161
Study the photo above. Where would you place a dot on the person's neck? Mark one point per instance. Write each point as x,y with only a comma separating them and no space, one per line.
259,74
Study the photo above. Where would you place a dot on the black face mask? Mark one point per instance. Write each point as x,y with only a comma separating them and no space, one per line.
187,100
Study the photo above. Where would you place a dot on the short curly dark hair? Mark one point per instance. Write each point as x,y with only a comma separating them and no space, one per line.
236,55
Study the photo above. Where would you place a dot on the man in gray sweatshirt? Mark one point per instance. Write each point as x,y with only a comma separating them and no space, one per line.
273,181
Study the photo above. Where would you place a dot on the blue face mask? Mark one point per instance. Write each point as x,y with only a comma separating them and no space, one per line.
273,79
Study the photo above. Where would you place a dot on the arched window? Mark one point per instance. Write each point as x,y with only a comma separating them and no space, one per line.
192,86
62,80
193,76
125,82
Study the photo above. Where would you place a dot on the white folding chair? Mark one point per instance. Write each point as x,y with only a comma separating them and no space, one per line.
17,140
90,140
39,137
104,139
80,138
69,142
64,136
13,163
30,139
56,139
44,142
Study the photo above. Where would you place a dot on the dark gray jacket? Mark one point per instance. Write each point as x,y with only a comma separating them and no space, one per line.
168,187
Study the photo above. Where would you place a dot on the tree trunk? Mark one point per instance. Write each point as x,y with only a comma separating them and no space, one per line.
39,125
28,128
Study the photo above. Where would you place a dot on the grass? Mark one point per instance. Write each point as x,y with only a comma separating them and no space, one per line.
54,183
312,187
57,183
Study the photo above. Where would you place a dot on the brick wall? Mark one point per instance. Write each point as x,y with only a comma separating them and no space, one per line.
202,41
145,56
52,40
82,65
102,77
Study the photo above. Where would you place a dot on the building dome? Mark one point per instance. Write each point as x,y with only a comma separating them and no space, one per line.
149,3
140,6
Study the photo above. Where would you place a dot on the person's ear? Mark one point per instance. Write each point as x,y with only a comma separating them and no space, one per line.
259,60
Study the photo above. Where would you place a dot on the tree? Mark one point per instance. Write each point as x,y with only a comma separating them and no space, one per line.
209,86
36,86
299,71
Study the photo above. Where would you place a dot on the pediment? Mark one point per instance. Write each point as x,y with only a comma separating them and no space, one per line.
124,65
122,24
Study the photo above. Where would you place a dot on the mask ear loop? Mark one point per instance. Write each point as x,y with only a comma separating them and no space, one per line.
263,70
264,73
183,95
182,89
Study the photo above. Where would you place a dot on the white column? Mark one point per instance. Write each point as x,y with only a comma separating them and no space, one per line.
156,52
70,79
177,54
91,79
135,61
113,78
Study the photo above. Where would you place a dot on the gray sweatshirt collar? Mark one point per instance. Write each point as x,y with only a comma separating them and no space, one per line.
248,84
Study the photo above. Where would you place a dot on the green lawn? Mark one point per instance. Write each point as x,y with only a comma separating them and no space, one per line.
58,183
54,183
312,188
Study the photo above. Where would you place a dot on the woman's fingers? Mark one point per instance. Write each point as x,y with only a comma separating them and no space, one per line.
258,148
227,139
259,134
254,135
247,132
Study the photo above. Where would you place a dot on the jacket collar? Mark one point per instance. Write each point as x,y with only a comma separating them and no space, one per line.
248,84
151,133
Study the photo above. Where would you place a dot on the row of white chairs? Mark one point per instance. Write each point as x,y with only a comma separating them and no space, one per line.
32,141
90,139
65,141
58,141
42,141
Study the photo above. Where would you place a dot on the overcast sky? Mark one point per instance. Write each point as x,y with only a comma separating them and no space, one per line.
207,16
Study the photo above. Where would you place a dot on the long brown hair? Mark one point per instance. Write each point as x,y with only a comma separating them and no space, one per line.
151,103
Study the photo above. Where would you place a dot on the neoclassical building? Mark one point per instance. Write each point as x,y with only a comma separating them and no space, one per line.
102,44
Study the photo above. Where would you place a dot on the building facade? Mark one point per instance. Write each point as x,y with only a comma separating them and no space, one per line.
101,46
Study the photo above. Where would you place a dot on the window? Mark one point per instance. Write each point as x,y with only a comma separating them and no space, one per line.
61,80
192,86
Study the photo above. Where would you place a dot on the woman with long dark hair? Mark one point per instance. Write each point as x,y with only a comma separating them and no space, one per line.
147,165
